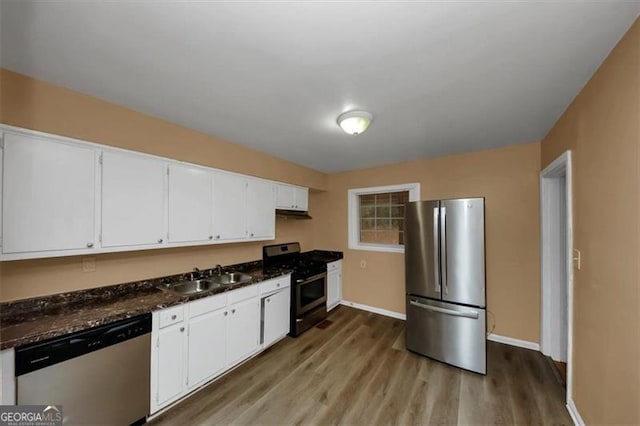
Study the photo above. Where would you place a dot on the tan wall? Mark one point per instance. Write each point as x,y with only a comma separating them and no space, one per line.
28,278
37,105
602,128
508,178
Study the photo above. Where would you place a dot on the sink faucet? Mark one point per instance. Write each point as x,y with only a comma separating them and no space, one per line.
217,270
196,273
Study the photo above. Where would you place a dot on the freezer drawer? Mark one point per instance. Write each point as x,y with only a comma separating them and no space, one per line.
449,333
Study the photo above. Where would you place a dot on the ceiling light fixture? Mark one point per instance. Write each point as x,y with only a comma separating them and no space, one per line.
355,122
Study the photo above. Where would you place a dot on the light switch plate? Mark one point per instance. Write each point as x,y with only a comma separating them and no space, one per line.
577,259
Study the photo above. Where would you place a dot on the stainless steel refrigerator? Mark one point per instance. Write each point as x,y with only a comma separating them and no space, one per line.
445,281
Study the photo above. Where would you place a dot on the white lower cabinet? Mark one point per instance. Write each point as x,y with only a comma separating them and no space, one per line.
198,341
244,330
334,284
275,316
168,359
206,349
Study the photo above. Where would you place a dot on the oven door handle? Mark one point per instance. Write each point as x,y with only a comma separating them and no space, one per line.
315,277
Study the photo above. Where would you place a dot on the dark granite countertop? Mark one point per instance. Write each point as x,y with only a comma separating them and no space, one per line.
324,255
33,320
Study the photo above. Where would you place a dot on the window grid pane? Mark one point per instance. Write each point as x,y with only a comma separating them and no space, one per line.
382,218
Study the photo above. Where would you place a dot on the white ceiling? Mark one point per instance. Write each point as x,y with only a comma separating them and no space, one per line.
439,77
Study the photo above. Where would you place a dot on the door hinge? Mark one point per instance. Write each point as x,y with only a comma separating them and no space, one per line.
157,396
100,237
167,170
2,141
158,342
100,158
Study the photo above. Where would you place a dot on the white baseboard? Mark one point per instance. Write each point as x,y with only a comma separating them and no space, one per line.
513,342
573,412
380,311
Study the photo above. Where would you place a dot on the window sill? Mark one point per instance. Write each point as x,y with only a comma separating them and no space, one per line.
383,249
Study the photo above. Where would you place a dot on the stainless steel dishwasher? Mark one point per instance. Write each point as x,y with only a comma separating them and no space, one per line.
99,376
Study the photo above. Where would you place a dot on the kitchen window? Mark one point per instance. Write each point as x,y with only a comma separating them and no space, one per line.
376,217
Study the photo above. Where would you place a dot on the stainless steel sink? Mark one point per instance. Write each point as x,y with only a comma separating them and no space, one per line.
186,288
192,287
231,278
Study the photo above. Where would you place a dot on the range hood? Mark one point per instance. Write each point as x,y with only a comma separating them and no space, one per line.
292,214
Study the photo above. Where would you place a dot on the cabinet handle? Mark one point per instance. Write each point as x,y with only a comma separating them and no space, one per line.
278,285
225,313
90,245
233,311
211,237
252,234
268,300
217,237
174,317
181,329
160,240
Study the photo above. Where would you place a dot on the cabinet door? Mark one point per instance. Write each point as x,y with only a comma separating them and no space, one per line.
244,330
333,288
171,360
48,195
229,206
285,196
207,344
132,200
190,204
261,212
302,198
275,316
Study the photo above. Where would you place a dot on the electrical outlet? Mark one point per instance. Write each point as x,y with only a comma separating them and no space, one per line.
363,264
88,264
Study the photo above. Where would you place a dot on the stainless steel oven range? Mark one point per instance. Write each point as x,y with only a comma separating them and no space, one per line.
308,284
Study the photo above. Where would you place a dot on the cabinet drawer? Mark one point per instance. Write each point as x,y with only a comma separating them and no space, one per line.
243,294
334,266
207,304
275,284
171,316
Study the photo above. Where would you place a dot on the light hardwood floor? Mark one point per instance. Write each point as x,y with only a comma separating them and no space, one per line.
357,371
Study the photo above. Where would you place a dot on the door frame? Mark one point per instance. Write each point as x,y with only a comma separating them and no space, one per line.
561,166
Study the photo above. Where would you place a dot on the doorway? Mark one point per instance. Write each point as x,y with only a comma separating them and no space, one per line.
557,264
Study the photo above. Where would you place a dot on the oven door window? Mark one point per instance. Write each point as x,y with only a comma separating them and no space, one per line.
311,294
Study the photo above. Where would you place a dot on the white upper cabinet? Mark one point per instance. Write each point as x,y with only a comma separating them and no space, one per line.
190,204
61,197
229,206
285,196
302,198
133,194
290,197
261,211
48,195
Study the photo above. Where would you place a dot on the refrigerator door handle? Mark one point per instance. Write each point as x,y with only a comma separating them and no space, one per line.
436,258
469,314
443,248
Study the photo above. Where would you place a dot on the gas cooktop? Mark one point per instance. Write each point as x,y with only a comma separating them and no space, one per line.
289,256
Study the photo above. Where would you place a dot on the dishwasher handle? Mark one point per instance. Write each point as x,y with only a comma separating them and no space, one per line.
39,355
